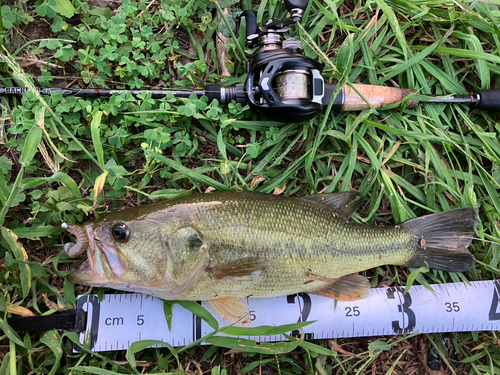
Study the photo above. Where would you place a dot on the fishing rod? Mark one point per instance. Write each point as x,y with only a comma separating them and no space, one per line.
284,85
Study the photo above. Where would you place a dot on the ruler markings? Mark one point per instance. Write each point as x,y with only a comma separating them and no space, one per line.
446,289
381,312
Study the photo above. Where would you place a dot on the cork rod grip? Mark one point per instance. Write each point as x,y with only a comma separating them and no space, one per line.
377,96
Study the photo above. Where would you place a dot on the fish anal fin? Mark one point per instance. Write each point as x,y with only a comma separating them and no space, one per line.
239,268
344,205
346,288
232,309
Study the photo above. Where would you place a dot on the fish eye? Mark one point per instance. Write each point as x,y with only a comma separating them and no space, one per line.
120,232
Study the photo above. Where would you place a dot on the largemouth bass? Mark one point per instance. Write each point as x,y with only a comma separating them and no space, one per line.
223,247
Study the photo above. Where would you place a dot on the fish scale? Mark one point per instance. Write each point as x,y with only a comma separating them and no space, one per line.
296,237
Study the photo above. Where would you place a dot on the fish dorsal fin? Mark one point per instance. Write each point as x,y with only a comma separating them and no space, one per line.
346,288
187,250
239,268
342,204
232,309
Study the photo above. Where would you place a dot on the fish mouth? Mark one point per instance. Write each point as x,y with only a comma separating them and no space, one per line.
83,270
82,273
104,263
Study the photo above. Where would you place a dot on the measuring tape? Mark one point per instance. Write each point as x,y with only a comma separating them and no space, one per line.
121,319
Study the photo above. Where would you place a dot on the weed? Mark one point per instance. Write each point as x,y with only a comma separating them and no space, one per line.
72,159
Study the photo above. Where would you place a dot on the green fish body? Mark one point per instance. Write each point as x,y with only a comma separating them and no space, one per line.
226,246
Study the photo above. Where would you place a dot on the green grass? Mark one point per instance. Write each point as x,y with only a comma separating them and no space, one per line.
73,159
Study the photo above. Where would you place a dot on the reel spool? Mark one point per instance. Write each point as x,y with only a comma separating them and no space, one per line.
292,84
285,86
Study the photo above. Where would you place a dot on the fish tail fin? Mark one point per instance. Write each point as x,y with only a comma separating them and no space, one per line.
443,240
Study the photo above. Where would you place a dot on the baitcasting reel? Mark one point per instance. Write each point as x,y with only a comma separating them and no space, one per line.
282,83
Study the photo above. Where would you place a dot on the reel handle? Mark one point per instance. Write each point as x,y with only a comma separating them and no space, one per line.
251,18
296,4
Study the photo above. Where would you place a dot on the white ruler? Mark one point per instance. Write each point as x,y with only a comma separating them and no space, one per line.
121,319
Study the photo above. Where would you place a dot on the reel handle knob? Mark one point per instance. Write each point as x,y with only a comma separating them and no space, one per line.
251,18
296,4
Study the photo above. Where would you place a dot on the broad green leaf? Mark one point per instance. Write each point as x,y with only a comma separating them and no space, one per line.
99,185
4,188
413,275
378,345
36,231
167,310
345,56
316,348
221,145
200,312
143,344
395,26
31,145
53,341
20,255
96,138
10,333
65,8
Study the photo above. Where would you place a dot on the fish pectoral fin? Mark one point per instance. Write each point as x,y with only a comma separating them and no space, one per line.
239,268
344,205
233,309
346,288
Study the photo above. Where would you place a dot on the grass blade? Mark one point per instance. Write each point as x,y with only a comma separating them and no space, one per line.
188,172
96,138
393,21
31,145
20,254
